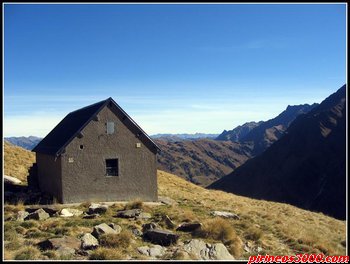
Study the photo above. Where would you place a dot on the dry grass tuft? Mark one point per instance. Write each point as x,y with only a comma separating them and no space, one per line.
28,253
135,204
121,240
106,254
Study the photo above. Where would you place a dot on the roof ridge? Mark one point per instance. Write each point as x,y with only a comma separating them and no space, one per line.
89,105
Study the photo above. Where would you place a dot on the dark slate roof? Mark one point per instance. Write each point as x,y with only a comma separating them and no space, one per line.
55,142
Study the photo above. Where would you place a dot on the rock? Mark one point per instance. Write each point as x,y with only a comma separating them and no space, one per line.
88,242
166,200
92,216
39,214
219,252
144,216
133,213
247,249
148,226
65,251
68,212
136,232
205,251
225,214
161,237
154,251
169,223
197,248
115,227
189,227
343,243
11,180
62,243
21,215
97,208
51,210
103,229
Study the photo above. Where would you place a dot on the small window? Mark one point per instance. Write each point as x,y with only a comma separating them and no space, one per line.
112,167
110,128
81,147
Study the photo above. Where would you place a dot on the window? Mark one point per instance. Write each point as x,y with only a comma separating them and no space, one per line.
110,128
112,167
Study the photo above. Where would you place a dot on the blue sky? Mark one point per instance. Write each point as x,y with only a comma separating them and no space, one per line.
174,68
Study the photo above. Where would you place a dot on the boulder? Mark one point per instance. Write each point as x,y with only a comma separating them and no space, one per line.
88,242
11,180
144,216
153,251
115,227
62,243
51,210
218,251
161,237
189,227
103,229
136,232
39,214
166,200
97,208
21,215
68,212
206,251
225,214
148,226
133,213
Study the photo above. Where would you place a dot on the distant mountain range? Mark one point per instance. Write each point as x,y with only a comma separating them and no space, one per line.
238,133
201,161
264,134
25,142
177,137
306,167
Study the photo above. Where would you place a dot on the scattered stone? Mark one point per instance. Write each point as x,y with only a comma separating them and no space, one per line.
103,229
63,243
343,243
218,251
65,251
169,223
97,208
39,214
129,213
11,180
88,242
21,215
247,249
67,212
166,200
144,216
205,251
189,227
115,227
161,237
154,251
225,214
136,232
148,226
91,216
51,210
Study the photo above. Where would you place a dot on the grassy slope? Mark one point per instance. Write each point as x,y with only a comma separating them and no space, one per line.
17,161
277,228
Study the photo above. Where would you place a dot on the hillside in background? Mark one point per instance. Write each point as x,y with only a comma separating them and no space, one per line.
25,142
263,227
238,133
177,137
264,133
306,167
201,161
17,161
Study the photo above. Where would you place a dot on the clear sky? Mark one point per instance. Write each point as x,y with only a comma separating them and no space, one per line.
174,68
